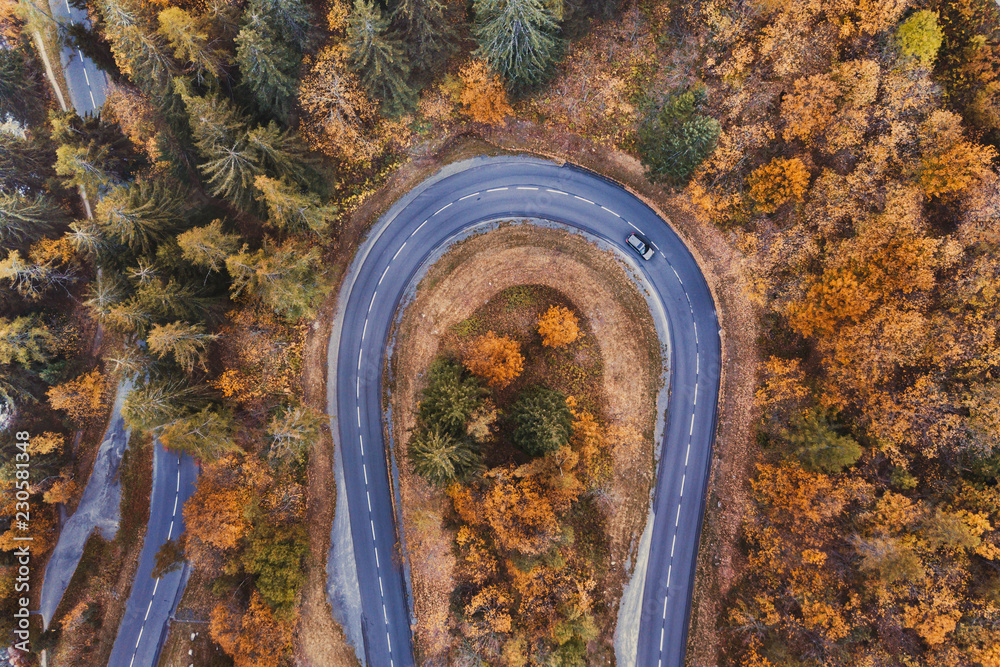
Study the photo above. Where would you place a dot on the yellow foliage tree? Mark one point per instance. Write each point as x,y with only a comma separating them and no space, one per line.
496,359
558,326
483,96
82,399
810,106
778,182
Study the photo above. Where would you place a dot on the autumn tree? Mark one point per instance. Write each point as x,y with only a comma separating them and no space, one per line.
778,182
542,421
376,56
808,109
337,113
208,246
919,37
82,399
675,138
33,276
519,515
189,36
518,38
274,554
558,326
496,359
257,637
186,343
169,557
215,512
951,164
483,95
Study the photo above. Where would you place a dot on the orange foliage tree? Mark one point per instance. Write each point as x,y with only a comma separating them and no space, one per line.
810,106
483,96
558,326
83,398
778,182
496,359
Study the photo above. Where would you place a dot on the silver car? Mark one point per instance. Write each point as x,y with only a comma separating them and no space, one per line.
640,246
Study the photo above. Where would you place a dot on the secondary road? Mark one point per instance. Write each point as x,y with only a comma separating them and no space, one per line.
153,600
88,85
457,198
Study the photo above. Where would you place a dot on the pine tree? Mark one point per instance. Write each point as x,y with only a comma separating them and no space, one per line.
439,457
286,278
675,139
268,67
208,246
141,54
86,166
293,433
33,278
291,210
155,403
173,299
186,343
517,38
206,435
450,399
25,218
819,447
377,58
280,151
141,214
542,420
428,36
188,35
24,341
25,162
290,19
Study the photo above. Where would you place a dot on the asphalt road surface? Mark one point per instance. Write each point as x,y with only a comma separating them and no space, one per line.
88,85
152,601
462,196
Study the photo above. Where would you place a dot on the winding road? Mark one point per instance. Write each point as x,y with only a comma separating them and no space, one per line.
457,198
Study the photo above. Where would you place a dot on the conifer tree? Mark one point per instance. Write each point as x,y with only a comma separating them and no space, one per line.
208,246
85,166
268,67
292,210
24,218
24,341
286,278
439,457
157,402
293,433
377,58
543,421
186,343
517,38
141,214
188,35
25,162
428,36
206,435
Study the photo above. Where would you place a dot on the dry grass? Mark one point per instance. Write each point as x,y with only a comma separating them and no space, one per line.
465,278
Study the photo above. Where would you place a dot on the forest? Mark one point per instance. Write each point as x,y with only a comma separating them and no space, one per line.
846,149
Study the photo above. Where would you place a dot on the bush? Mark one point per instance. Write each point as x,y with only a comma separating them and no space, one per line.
675,139
543,421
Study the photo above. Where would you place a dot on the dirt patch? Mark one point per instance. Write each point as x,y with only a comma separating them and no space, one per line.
468,276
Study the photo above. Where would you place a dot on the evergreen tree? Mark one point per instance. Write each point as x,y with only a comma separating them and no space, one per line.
542,421
86,166
675,139
268,67
440,457
186,343
274,554
517,38
287,278
24,341
21,96
292,210
141,53
154,403
450,399
26,162
293,433
208,246
141,214
378,59
280,151
291,20
188,35
25,218
33,278
171,299
427,35
205,435
819,447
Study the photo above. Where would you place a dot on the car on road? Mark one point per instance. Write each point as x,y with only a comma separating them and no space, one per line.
639,244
